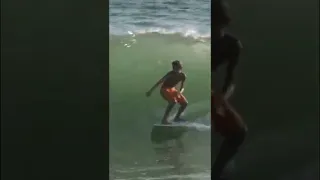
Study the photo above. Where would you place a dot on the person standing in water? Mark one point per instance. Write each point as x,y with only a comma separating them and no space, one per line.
169,92
226,121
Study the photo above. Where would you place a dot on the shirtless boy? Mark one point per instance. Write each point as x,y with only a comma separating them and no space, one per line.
226,120
169,92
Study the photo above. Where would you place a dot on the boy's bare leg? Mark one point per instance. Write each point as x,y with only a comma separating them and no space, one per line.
167,112
180,111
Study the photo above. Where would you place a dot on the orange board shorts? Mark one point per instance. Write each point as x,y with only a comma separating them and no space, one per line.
173,95
227,123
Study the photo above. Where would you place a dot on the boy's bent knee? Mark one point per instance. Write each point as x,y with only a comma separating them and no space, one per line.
237,139
184,104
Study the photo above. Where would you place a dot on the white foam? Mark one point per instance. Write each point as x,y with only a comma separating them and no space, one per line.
184,32
188,125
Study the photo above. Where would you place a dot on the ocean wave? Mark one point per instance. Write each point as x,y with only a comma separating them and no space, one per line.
165,38
137,59
189,33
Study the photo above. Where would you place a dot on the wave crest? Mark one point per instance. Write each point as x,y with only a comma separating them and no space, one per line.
182,33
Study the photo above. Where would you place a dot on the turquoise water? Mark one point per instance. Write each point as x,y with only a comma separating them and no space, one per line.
276,86
145,37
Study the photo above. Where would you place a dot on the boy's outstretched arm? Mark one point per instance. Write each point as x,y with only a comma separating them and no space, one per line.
157,84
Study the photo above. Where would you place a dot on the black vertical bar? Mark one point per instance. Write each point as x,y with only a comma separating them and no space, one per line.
54,89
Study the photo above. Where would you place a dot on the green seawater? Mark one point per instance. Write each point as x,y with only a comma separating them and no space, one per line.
136,63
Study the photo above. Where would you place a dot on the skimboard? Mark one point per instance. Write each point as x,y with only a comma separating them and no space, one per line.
164,132
185,125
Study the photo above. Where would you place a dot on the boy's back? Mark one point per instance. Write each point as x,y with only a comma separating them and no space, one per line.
173,79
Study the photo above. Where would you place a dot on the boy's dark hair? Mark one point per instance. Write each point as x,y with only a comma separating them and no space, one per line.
175,63
220,15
